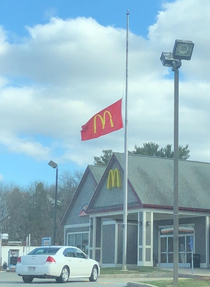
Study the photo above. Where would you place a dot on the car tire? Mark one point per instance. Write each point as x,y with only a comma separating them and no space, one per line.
27,279
63,278
94,274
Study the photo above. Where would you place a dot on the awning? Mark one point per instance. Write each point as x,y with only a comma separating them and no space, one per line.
181,229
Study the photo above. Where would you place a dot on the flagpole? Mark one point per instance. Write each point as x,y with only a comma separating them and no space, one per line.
125,202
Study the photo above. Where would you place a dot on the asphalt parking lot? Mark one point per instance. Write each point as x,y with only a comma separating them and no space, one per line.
11,279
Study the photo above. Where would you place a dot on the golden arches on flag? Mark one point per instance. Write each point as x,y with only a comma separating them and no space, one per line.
103,120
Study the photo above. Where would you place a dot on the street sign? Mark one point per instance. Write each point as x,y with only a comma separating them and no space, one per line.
46,241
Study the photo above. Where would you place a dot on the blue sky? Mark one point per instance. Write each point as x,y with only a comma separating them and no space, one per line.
63,61
16,14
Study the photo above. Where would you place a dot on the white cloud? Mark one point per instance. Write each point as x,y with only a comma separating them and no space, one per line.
67,70
24,145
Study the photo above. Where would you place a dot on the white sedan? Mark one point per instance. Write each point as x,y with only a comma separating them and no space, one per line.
59,262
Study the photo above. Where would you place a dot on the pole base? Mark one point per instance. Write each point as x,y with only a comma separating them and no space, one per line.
124,268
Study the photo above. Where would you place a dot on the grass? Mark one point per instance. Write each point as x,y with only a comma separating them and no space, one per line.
118,270
195,282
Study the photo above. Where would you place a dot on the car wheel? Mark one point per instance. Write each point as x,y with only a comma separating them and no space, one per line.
63,278
27,279
94,274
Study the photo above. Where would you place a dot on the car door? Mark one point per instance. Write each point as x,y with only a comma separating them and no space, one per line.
72,261
85,266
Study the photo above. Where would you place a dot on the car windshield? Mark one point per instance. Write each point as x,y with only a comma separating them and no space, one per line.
44,250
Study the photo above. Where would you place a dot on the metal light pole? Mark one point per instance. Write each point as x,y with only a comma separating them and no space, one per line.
125,194
176,171
182,51
0,251
55,166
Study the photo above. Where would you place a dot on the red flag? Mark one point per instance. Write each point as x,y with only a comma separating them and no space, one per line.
106,121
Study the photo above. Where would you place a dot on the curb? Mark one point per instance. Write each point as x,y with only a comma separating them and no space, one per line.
133,275
139,275
133,284
144,284
10,270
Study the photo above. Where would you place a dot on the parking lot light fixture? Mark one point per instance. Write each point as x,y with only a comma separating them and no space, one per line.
52,164
182,51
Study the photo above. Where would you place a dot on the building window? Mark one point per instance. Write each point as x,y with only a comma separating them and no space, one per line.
79,240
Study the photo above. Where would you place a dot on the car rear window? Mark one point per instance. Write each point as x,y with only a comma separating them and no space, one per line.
43,251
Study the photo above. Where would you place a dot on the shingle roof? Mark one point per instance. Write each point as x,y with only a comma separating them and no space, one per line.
96,172
152,179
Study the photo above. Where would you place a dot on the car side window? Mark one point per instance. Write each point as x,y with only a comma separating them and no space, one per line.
80,254
69,252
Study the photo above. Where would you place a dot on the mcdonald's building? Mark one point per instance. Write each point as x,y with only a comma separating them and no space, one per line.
93,219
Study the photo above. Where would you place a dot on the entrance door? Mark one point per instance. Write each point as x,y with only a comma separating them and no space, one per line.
166,257
166,250
184,250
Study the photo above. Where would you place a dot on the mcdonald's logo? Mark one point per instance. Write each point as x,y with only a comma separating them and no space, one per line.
103,120
114,179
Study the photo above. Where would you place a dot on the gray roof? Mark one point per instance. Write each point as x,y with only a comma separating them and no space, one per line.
97,171
152,180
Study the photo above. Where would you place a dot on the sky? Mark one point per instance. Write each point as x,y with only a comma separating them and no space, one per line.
62,61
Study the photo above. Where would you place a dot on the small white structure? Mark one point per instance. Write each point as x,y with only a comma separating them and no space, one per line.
10,253
11,250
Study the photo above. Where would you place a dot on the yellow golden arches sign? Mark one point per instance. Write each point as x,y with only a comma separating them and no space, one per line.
103,120
114,179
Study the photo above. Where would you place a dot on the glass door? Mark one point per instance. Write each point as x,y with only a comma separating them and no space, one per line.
166,250
182,249
185,252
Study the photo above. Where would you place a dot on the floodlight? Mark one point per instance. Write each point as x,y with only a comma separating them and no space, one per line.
52,164
183,50
168,60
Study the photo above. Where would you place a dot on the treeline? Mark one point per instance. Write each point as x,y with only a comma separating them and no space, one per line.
148,149
25,211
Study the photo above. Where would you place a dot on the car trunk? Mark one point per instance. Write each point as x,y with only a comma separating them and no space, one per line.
34,259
